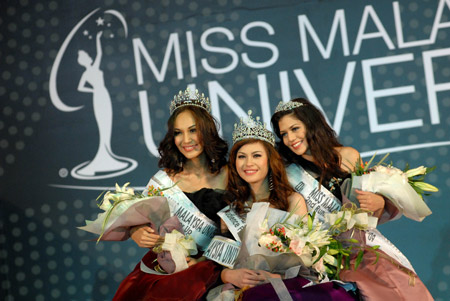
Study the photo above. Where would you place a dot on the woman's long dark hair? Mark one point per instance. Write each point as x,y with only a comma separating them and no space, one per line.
240,190
322,140
214,147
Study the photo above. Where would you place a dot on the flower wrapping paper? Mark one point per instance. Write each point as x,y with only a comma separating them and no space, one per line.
397,189
154,210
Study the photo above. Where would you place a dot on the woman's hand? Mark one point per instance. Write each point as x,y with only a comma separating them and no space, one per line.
370,201
242,277
268,275
145,237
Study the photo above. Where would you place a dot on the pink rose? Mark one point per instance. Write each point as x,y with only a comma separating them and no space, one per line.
297,246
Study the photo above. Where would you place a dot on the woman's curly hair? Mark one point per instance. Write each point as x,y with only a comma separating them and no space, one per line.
214,147
322,139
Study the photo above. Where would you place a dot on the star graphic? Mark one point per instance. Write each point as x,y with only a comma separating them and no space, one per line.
85,32
100,21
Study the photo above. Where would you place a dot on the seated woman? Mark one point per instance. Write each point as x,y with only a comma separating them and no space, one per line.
256,174
193,157
317,159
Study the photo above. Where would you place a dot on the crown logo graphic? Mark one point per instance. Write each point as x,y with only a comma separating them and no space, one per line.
290,105
252,129
188,99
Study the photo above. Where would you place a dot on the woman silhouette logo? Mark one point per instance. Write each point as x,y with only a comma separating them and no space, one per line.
105,164
105,161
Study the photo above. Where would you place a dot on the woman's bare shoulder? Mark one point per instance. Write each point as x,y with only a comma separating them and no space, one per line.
349,157
297,204
221,178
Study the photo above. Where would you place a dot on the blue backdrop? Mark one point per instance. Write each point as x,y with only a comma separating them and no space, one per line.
85,88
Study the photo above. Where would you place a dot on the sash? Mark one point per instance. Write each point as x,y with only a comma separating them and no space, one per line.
375,238
233,221
321,201
223,251
192,220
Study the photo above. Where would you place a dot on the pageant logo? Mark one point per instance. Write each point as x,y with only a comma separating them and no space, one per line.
94,28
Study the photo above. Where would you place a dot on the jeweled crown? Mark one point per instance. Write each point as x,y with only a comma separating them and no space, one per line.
282,106
185,98
252,129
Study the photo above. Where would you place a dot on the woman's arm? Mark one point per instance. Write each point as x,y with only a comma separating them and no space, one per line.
98,58
350,158
82,85
242,277
370,201
297,204
144,236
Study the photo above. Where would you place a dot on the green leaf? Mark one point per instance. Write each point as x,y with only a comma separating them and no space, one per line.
381,161
345,253
338,268
310,223
406,167
96,200
359,259
430,169
378,257
333,252
347,262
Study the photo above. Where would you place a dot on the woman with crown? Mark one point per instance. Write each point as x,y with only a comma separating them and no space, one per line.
317,159
258,183
193,162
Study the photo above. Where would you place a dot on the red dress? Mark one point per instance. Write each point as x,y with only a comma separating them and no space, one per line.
189,284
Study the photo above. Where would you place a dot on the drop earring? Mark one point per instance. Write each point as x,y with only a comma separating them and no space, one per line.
270,182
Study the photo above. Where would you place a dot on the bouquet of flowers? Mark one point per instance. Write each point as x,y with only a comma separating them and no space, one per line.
125,208
316,243
404,188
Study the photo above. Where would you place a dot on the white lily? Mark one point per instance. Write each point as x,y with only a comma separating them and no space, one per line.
106,204
124,189
426,187
318,237
421,170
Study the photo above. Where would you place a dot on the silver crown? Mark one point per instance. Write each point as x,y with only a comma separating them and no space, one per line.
288,106
187,99
252,129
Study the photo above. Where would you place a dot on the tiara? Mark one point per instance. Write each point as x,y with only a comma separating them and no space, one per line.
186,99
288,106
252,129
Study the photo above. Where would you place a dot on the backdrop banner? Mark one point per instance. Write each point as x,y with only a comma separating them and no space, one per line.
85,88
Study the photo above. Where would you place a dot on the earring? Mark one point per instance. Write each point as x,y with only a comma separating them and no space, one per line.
213,161
270,182
180,162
